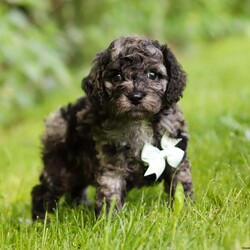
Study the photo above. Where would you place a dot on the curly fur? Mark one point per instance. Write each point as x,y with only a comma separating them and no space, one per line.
132,91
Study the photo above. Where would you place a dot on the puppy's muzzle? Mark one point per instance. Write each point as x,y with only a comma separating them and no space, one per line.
136,97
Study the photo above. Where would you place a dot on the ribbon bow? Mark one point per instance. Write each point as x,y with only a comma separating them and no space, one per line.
155,157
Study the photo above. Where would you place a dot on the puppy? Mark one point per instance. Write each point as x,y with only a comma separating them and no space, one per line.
130,109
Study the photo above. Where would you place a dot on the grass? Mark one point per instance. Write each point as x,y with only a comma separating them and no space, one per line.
216,106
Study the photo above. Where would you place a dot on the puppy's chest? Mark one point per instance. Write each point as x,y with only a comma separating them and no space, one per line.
125,138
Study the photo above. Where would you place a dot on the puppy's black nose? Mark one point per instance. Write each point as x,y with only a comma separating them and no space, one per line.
136,97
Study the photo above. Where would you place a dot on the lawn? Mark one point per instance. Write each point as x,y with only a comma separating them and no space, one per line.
216,105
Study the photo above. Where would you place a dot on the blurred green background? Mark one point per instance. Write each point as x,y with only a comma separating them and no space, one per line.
46,47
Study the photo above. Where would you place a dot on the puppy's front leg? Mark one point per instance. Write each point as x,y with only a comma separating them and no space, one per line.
183,175
110,185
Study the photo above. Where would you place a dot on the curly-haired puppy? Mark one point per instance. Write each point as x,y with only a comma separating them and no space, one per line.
131,100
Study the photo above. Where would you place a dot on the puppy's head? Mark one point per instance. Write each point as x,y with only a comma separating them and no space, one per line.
135,77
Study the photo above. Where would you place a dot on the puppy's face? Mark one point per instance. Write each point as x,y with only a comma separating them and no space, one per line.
135,79
131,78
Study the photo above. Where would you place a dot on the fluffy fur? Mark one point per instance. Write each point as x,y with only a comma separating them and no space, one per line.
131,95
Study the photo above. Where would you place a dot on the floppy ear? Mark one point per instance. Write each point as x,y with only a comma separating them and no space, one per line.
87,86
176,77
92,84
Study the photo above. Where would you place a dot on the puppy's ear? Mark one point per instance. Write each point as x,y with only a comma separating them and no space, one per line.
176,77
93,83
87,86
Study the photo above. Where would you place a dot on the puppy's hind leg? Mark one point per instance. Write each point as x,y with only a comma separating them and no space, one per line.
54,176
43,199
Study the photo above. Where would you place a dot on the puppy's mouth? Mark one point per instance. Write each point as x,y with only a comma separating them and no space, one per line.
137,106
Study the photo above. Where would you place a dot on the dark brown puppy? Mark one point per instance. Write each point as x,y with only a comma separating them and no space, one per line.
132,91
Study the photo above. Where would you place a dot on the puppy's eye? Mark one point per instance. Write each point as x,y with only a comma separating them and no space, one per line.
116,78
152,75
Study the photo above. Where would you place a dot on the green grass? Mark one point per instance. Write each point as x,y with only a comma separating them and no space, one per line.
216,106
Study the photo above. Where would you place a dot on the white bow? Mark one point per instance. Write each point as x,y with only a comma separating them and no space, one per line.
155,157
